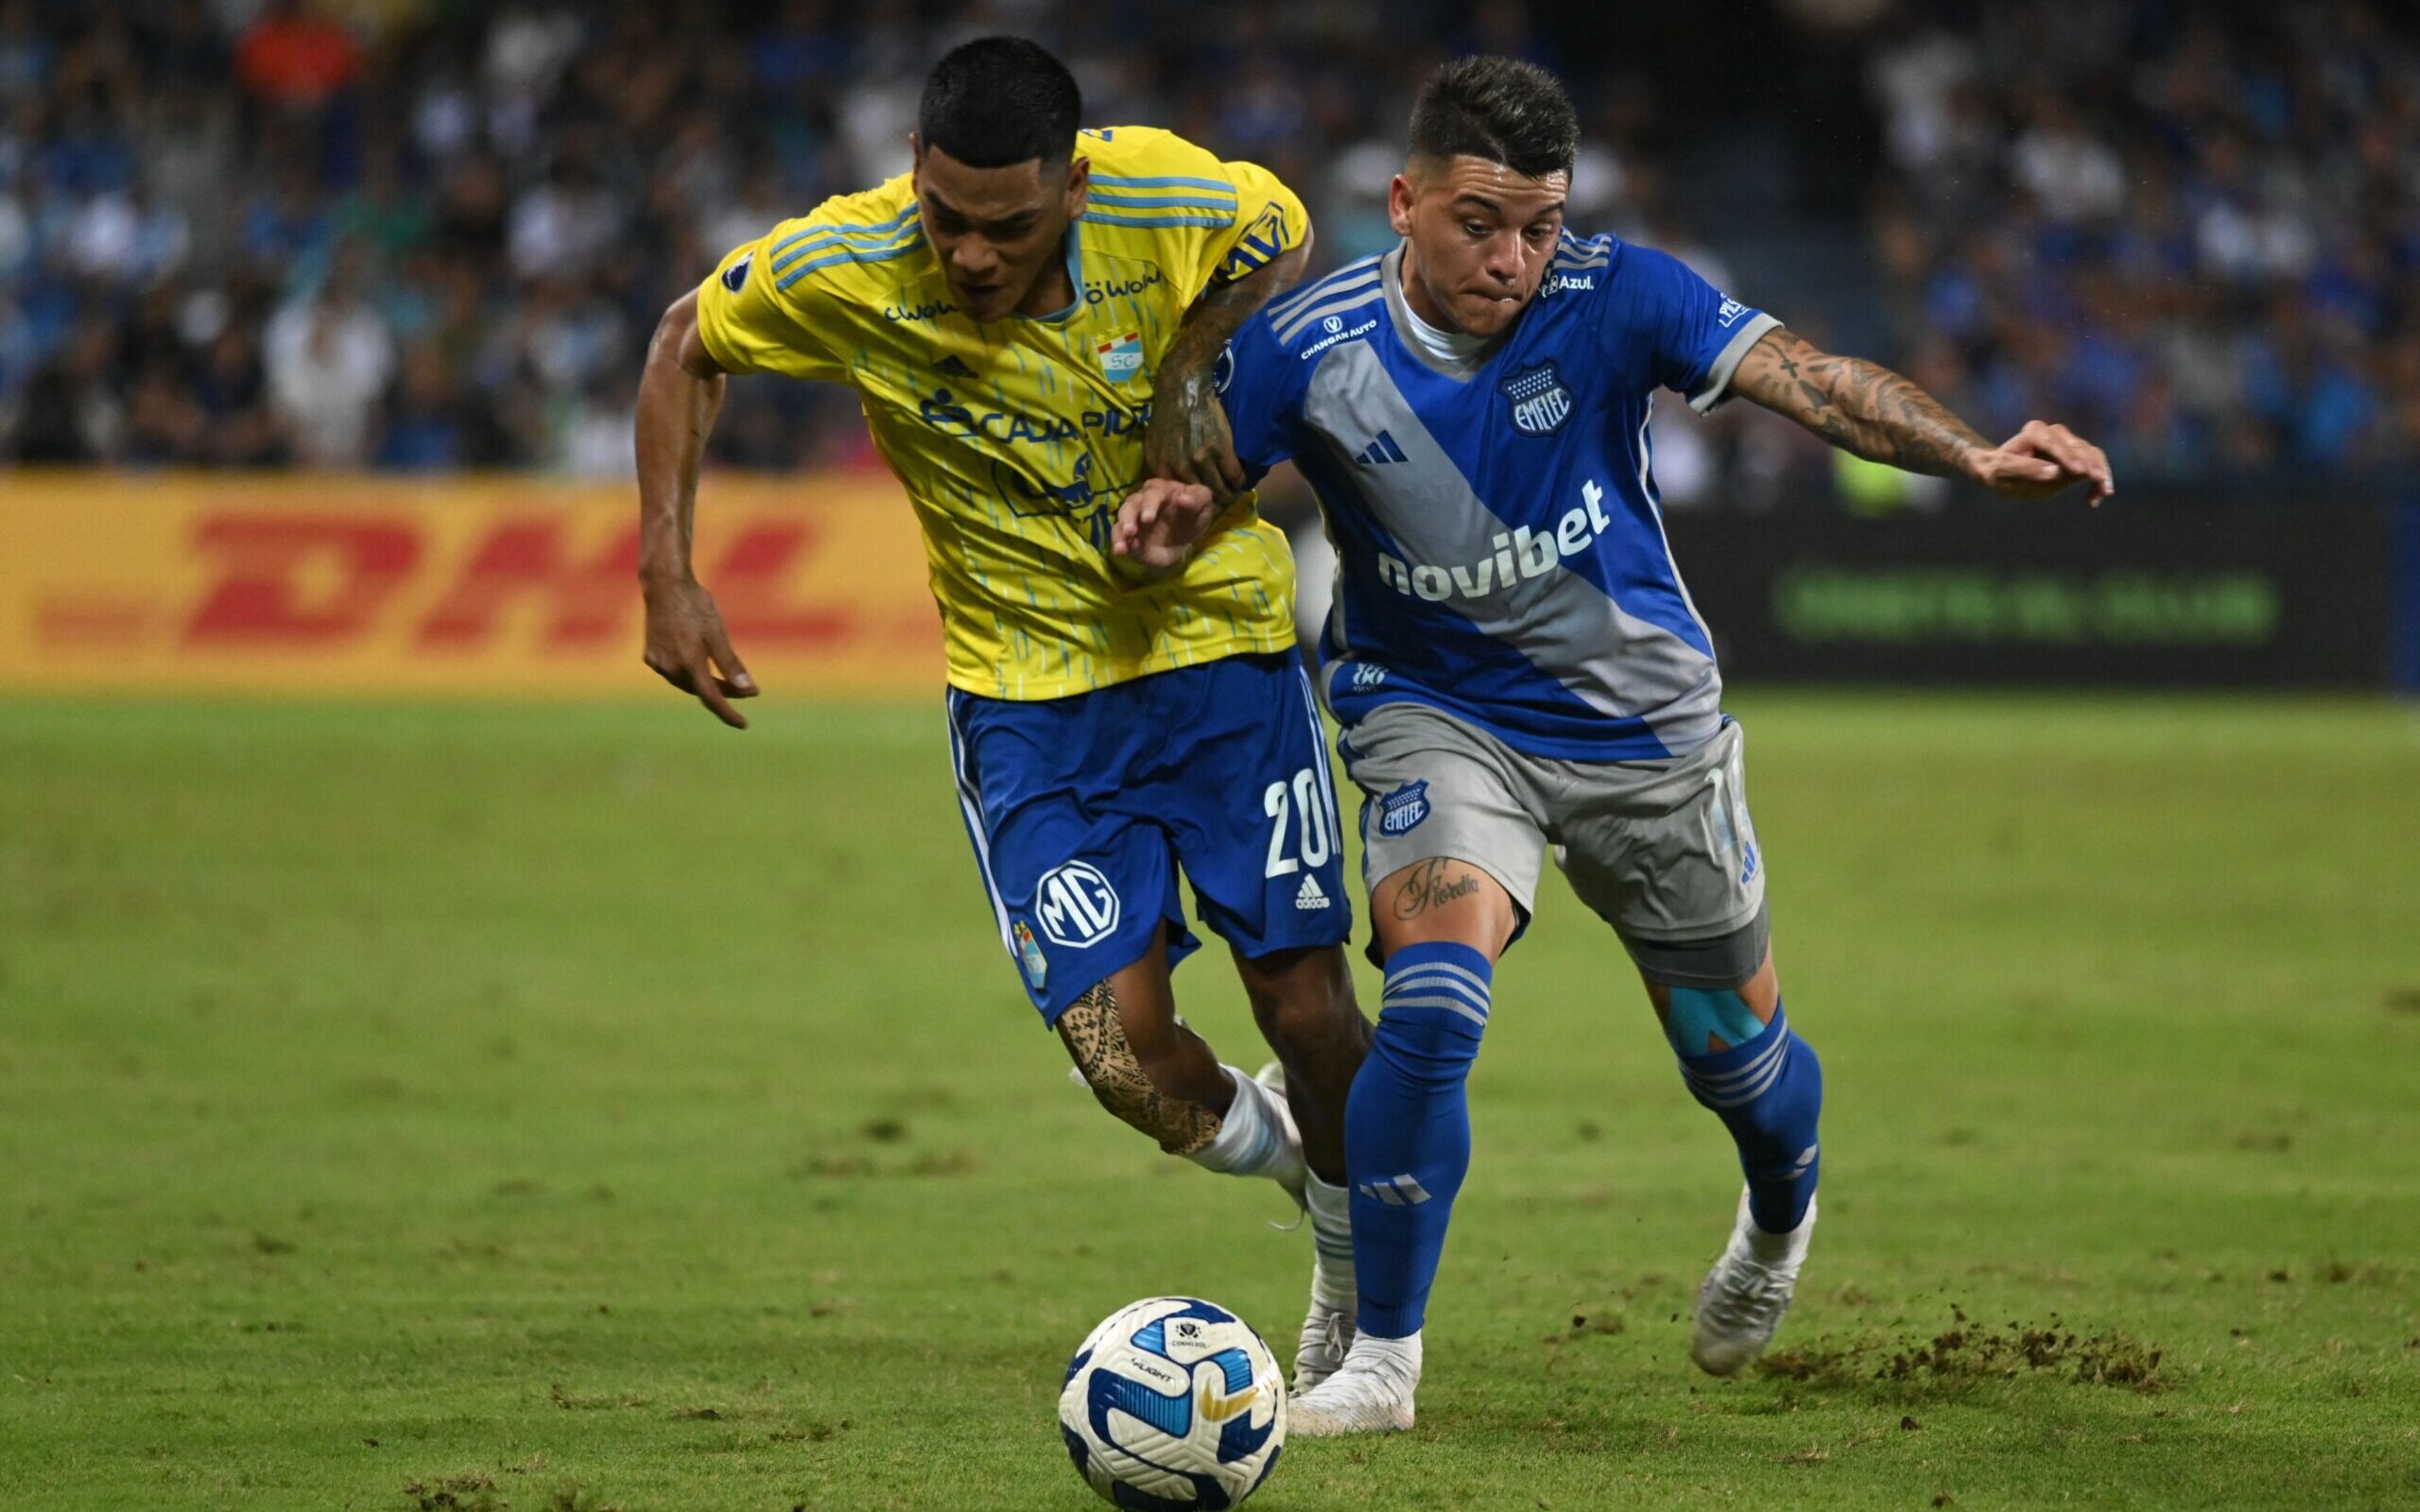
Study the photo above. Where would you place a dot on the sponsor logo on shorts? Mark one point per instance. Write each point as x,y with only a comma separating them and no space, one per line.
737,274
1310,897
1029,956
1401,811
1077,905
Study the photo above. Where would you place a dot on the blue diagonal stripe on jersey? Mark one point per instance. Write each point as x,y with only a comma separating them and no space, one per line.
850,231
1160,201
1154,221
848,254
1164,182
907,237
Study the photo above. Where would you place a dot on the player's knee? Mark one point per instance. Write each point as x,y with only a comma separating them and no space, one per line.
1712,993
1303,1001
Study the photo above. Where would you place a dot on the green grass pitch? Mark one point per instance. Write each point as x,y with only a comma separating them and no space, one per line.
584,1107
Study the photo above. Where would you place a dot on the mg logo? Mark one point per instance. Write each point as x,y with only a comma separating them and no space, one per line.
1077,905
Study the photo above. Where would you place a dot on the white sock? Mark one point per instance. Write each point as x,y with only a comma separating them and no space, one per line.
1331,1208
1397,1356
1781,1249
1250,1138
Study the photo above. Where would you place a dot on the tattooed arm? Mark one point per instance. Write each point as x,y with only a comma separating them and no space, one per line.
1189,441
1872,412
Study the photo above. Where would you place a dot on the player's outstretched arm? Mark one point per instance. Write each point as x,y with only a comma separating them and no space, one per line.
1865,408
1189,440
680,396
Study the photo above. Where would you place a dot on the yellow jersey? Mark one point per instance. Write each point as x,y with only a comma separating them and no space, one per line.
1017,438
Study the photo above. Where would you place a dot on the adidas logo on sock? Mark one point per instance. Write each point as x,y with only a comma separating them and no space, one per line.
1396,1192
1308,896
1380,451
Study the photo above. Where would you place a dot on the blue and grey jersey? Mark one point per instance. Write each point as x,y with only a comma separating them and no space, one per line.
1501,550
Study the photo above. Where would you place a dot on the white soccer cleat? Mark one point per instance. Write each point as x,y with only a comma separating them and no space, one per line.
1327,1336
1742,1304
1287,1170
1371,1393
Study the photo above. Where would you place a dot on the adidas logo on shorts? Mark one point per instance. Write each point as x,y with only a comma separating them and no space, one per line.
1308,896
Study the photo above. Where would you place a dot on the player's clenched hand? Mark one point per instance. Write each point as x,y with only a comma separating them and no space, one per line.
1160,521
686,644
1189,440
2041,460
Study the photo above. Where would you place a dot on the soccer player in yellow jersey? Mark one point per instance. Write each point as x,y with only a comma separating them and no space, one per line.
1031,319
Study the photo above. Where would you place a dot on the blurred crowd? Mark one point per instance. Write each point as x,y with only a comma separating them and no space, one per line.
433,234
2199,241
412,234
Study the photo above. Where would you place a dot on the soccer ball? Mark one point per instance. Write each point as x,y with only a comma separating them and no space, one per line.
1174,1404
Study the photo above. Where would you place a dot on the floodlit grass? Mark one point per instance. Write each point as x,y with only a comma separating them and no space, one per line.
434,1107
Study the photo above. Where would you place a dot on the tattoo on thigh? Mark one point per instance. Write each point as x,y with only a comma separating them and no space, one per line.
1091,1030
1430,888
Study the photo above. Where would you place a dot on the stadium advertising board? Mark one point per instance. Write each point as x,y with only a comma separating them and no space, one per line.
2151,590
469,586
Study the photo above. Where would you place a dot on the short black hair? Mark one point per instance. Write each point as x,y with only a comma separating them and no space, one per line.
1000,101
1499,109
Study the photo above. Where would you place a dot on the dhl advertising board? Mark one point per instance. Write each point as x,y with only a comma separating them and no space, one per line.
346,585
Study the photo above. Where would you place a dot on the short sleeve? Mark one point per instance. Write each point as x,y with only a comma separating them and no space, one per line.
1694,333
749,323
1218,222
1258,383
1269,220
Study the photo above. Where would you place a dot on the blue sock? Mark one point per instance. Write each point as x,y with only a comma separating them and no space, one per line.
1407,1128
1767,1093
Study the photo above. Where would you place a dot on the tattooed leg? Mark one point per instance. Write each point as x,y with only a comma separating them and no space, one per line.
1143,1065
1443,899
1097,1041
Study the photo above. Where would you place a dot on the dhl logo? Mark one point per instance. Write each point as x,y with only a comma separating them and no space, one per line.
309,581
434,587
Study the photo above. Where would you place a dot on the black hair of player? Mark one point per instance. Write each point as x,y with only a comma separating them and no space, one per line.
997,101
1498,109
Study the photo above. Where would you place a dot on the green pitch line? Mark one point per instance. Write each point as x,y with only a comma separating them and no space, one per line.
418,1107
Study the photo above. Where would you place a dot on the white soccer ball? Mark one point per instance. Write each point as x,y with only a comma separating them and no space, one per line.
1172,1403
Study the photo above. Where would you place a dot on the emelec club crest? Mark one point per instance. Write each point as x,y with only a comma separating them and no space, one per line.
1401,811
1540,401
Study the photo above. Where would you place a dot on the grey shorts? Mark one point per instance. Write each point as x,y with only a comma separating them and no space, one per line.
1663,850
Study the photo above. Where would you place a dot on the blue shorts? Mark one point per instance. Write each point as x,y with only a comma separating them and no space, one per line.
1083,809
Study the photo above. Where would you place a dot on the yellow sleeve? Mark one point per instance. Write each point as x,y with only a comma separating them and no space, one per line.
1269,220
749,324
1228,218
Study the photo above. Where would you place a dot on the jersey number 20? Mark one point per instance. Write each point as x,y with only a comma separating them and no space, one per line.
1304,799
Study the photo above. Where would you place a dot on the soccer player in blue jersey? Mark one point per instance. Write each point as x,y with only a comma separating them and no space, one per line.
1517,665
